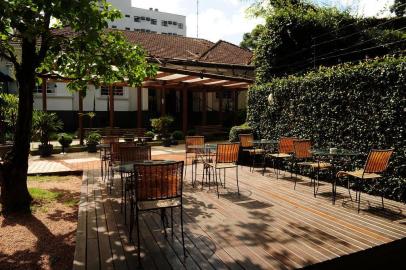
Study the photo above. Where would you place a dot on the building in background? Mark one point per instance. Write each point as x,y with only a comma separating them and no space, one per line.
147,20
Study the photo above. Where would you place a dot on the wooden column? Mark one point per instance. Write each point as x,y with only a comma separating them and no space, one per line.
44,95
139,107
81,134
221,115
111,102
184,110
204,101
163,102
235,99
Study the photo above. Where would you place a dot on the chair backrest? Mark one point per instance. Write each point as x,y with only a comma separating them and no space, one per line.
109,139
193,140
227,152
286,145
302,149
377,161
159,181
134,153
246,140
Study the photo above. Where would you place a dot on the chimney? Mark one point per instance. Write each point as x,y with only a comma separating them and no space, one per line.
156,9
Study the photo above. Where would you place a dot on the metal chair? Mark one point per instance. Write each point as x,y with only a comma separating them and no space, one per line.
375,166
114,159
303,157
129,155
247,145
285,151
157,186
105,154
192,141
226,158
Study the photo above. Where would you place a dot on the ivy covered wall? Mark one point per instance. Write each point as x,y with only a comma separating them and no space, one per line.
356,107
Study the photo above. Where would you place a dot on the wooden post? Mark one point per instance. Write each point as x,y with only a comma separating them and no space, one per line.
204,101
221,115
111,102
81,134
235,99
184,110
139,107
163,102
44,95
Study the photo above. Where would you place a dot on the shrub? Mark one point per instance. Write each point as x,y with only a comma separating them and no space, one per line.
64,139
236,130
93,138
162,125
178,135
357,107
149,134
44,124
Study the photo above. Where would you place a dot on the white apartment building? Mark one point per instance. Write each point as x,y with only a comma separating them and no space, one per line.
147,20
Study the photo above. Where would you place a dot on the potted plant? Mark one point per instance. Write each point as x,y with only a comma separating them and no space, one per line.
162,125
65,141
92,141
177,135
44,124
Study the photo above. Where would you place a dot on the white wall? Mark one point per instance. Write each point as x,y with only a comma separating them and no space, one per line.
125,7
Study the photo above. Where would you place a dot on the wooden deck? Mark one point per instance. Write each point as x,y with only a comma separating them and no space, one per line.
269,226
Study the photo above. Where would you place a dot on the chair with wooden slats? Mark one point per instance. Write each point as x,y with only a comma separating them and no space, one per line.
247,145
285,152
105,154
129,155
157,186
192,153
226,158
303,157
115,159
375,166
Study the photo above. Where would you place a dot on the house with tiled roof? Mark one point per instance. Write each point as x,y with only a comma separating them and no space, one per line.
199,83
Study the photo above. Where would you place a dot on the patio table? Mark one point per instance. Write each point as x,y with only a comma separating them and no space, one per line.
335,157
203,153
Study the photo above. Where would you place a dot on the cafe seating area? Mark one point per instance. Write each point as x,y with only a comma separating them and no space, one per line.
256,203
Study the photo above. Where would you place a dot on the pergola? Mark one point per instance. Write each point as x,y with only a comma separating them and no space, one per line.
184,76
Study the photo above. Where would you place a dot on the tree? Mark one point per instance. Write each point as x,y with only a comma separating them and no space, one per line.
41,48
399,8
250,40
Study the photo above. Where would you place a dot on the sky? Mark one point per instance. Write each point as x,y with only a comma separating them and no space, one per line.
227,20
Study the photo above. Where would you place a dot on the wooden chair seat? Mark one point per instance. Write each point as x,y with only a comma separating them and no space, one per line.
359,174
280,155
256,151
149,205
221,165
316,165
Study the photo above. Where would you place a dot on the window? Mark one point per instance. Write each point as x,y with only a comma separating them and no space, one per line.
136,19
143,18
51,87
175,23
117,90
180,25
127,16
148,19
153,21
127,28
170,22
164,23
113,26
148,31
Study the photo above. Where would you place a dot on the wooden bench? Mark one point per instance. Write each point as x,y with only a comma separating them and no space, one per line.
210,130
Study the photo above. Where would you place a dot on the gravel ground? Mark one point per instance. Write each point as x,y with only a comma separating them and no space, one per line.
44,239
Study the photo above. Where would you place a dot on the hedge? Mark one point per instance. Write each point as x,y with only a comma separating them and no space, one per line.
357,107
237,130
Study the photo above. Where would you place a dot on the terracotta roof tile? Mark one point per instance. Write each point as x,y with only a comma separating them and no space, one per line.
225,52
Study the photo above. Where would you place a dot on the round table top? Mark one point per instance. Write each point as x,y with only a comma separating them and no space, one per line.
263,141
129,167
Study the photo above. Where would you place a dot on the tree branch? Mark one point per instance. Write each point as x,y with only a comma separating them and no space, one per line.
45,38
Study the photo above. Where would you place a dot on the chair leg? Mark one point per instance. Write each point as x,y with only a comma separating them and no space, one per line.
131,216
348,187
238,186
217,184
383,206
359,201
163,221
172,221
193,175
137,224
181,228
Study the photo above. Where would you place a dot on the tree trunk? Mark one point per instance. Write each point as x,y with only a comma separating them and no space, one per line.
13,173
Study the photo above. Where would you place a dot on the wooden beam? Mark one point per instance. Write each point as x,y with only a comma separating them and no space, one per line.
139,107
184,111
163,74
182,79
44,95
81,133
111,102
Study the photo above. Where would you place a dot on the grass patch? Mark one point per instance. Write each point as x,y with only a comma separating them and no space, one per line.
41,198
